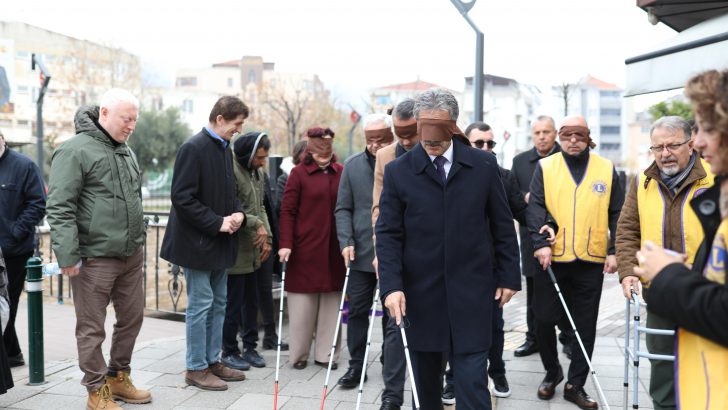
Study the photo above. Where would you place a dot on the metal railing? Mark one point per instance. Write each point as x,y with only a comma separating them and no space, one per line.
163,282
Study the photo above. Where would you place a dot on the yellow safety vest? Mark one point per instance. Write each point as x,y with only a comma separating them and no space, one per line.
702,365
652,209
581,211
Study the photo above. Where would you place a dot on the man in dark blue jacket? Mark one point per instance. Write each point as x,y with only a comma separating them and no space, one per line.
446,242
22,201
201,237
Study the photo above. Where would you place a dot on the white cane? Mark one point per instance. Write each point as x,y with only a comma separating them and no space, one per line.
336,334
409,364
280,336
366,352
578,338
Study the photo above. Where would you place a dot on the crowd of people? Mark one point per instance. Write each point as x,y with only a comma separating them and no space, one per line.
423,215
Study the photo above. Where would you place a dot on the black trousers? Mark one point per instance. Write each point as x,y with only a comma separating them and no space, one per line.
581,284
15,266
241,312
360,289
395,364
471,388
265,299
567,333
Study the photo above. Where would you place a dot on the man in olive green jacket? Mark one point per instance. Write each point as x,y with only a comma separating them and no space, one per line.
97,229
254,246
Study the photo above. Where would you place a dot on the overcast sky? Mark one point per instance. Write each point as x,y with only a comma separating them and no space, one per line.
356,45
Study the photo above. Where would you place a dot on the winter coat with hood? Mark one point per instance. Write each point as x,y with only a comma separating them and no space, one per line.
251,193
94,198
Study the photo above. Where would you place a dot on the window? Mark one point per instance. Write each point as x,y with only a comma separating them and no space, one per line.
609,147
252,77
187,81
187,106
22,89
230,82
610,111
22,54
608,129
383,100
23,123
610,93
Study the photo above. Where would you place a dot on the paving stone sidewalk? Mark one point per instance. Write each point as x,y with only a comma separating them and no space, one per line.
158,364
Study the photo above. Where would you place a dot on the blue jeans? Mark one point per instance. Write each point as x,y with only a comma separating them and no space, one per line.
206,298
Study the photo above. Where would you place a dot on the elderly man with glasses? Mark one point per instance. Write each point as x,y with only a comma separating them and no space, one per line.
658,209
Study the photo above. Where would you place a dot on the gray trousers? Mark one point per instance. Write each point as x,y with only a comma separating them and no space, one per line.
100,281
662,376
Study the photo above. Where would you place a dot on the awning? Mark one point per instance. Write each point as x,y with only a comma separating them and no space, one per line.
699,48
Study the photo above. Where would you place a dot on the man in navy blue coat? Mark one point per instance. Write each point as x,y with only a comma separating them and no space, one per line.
446,241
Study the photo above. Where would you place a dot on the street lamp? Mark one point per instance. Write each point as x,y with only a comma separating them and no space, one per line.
464,8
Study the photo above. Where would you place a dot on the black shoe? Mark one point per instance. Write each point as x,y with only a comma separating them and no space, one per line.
448,394
300,365
234,361
526,349
252,357
567,350
351,378
16,361
578,396
269,344
548,386
500,386
388,405
325,365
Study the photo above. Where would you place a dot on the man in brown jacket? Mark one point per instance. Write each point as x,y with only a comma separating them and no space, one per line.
393,367
658,209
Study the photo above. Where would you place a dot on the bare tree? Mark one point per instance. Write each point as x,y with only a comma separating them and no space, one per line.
564,92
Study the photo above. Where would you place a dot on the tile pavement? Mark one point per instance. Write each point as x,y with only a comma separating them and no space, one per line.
158,365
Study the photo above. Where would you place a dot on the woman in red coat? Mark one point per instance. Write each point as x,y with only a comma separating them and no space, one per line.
315,271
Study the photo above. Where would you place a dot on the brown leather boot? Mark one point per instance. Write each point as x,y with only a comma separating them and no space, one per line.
205,380
226,373
123,389
101,399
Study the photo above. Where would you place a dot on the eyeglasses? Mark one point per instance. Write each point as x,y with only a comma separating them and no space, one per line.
658,149
481,143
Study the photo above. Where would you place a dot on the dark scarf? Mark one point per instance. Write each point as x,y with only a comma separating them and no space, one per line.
674,182
371,159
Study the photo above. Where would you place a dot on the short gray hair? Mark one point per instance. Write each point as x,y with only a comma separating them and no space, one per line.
546,118
437,99
674,124
115,96
375,118
405,109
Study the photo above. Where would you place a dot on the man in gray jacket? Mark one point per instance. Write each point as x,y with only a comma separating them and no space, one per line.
97,230
354,229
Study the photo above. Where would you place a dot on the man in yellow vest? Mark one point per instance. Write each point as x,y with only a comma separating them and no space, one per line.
658,209
581,191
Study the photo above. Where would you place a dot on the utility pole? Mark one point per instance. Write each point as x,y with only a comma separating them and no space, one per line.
464,8
45,78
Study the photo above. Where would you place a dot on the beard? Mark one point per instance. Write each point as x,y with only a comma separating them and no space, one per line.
671,170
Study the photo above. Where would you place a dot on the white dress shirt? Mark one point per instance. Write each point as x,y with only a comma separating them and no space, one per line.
448,157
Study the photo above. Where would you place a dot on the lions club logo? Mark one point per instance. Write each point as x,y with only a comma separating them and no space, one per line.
599,187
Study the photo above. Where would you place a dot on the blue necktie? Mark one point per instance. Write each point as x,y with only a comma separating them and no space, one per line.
440,164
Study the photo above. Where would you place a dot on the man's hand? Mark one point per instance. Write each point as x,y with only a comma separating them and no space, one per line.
348,254
375,263
544,257
71,271
610,265
504,295
265,252
284,254
397,305
552,235
227,225
237,220
261,237
630,282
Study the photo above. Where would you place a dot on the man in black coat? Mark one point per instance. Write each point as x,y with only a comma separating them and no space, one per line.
446,243
543,135
201,238
23,202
